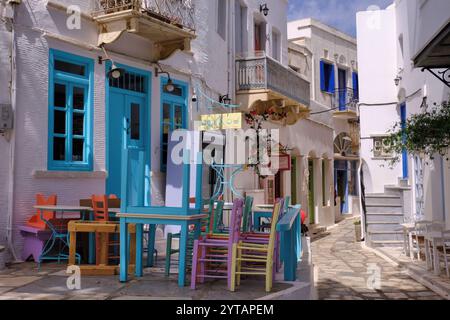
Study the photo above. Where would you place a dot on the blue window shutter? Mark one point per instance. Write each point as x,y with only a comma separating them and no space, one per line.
331,84
322,76
355,84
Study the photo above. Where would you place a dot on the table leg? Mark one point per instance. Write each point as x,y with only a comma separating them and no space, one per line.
410,245
182,258
437,264
72,247
151,244
139,246
124,250
91,258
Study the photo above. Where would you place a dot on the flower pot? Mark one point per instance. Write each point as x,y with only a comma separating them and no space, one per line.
358,232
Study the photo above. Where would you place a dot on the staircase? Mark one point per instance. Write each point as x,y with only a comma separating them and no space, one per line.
385,213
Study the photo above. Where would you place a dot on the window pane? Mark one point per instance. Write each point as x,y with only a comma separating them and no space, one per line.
70,67
166,112
60,95
77,149
78,124
59,122
78,98
135,121
166,130
59,149
178,116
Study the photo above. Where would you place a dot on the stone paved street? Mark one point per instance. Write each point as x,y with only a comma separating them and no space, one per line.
343,270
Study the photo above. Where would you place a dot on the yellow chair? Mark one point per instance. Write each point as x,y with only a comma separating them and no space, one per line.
256,259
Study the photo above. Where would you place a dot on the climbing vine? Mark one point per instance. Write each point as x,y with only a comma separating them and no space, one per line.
426,134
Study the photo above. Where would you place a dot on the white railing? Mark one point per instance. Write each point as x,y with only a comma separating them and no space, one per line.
262,72
176,12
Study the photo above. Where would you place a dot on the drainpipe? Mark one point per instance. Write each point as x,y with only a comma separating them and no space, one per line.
443,189
11,178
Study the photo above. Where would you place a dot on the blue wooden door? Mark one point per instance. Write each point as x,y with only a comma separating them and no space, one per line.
126,133
342,80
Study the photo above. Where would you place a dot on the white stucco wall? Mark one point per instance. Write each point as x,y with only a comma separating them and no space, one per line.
388,40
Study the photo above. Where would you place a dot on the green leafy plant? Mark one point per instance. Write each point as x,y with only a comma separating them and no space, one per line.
426,134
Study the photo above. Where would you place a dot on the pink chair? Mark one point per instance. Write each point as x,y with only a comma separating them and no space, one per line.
212,256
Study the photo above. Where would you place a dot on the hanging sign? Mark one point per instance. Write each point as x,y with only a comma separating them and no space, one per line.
211,122
284,161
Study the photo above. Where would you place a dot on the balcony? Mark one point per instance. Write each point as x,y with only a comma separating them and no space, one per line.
345,102
169,24
263,82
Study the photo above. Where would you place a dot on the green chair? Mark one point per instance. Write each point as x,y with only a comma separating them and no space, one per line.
247,216
170,236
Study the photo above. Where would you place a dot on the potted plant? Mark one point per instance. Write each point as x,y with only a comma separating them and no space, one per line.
357,224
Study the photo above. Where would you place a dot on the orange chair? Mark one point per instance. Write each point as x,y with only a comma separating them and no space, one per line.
36,221
101,213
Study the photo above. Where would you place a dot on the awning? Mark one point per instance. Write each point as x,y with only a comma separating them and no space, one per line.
435,56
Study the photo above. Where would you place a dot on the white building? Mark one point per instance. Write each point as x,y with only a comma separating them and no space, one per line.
69,116
327,58
393,45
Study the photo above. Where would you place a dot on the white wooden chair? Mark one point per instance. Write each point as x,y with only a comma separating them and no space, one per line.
418,244
444,250
433,227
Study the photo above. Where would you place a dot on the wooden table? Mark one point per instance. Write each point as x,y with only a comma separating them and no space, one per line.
140,219
85,214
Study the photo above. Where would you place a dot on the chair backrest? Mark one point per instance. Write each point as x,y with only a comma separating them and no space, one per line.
235,221
100,207
246,218
41,200
217,215
277,209
287,203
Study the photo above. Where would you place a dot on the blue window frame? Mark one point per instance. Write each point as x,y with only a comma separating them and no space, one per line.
327,77
173,114
355,80
70,101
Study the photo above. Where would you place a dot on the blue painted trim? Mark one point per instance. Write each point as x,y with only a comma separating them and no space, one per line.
405,170
172,99
148,114
69,80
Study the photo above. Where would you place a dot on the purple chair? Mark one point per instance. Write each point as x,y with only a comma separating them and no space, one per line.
34,243
212,256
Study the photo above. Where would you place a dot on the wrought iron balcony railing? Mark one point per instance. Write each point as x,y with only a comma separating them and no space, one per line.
177,12
262,72
345,99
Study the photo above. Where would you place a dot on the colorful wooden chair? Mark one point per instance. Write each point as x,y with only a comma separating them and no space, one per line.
206,227
250,258
212,256
247,217
36,221
106,248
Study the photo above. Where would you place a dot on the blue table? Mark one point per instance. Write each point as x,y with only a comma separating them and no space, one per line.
140,219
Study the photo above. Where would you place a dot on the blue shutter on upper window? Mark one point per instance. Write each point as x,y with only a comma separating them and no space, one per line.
322,76
355,85
331,84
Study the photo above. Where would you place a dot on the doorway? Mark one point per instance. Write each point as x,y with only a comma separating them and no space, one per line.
127,127
341,183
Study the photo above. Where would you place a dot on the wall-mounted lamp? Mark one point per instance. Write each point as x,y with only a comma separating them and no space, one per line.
169,87
225,99
115,72
397,80
264,9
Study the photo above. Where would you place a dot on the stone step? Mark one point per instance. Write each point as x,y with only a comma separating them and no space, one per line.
386,243
385,235
384,226
380,208
384,217
383,200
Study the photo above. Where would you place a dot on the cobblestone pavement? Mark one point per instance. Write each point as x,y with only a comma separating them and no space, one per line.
347,271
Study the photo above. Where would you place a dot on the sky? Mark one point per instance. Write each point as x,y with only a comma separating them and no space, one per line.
340,14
